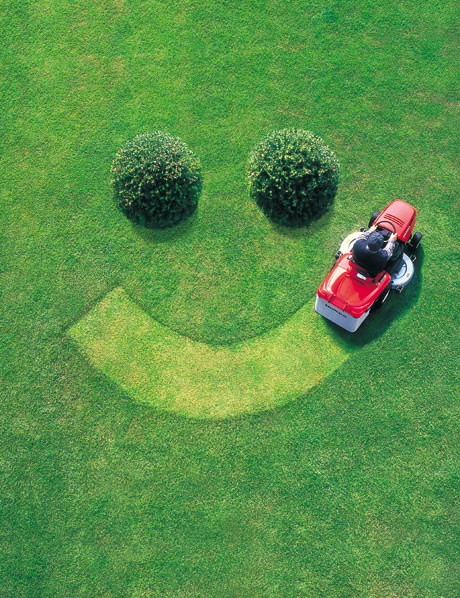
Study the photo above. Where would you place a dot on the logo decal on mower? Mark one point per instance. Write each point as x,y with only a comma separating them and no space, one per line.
336,310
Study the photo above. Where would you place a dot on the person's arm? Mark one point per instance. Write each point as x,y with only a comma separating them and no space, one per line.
389,248
365,234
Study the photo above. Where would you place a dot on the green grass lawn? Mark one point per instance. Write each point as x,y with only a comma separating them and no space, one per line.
347,490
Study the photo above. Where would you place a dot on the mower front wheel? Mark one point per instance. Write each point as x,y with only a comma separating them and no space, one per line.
373,218
415,241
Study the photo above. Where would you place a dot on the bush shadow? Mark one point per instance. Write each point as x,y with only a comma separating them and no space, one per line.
165,235
306,229
377,323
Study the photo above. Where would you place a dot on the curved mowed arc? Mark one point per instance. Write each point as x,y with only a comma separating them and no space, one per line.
162,368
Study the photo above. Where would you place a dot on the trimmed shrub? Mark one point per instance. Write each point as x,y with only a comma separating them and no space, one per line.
156,180
293,176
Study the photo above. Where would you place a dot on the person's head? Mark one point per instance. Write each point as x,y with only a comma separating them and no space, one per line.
375,242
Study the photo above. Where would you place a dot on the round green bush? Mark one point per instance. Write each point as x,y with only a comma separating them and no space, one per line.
156,180
293,176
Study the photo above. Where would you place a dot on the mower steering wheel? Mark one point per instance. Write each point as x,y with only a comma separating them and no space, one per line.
387,222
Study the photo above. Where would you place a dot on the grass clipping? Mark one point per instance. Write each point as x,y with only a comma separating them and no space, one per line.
157,366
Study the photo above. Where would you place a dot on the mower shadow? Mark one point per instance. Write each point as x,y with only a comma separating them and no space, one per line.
377,323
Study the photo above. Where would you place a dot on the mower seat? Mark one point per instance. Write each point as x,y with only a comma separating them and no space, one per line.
396,260
363,267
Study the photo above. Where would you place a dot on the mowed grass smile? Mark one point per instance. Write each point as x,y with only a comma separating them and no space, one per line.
174,373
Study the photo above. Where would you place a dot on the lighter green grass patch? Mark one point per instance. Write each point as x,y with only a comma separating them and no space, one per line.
171,372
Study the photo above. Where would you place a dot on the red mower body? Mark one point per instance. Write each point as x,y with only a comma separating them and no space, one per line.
349,292
350,289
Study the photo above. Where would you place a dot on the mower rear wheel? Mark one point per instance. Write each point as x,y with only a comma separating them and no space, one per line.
381,300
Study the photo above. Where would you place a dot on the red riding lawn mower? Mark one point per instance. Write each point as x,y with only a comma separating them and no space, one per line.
350,292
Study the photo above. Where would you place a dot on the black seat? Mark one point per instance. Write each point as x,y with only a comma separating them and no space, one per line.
361,258
365,270
396,260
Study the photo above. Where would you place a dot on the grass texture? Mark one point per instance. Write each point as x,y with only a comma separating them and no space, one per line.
349,490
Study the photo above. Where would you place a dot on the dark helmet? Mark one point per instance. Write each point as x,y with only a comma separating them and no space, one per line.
375,242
